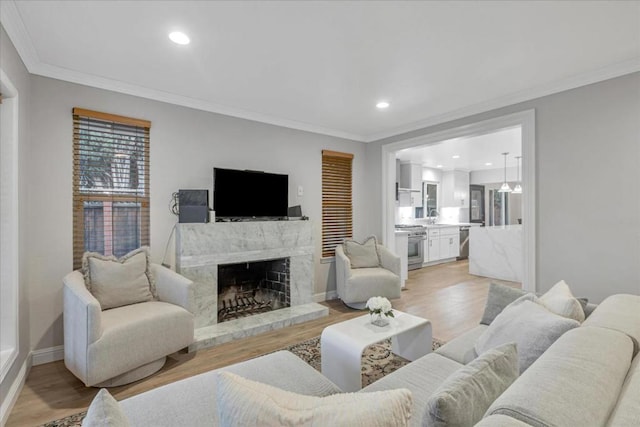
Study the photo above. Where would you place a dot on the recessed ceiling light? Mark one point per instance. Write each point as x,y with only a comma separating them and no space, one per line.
179,37
488,164
382,105
455,156
439,166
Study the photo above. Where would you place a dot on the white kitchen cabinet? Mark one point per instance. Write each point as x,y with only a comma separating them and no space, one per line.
455,189
410,184
442,243
433,246
449,242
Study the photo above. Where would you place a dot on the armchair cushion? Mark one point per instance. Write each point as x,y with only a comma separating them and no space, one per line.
367,282
117,282
163,328
362,255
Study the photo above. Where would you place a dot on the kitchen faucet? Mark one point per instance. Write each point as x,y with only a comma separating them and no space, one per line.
433,220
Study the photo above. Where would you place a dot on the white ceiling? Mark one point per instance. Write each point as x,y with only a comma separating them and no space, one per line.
474,152
322,66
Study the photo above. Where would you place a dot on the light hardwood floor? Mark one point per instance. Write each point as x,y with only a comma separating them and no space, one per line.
446,294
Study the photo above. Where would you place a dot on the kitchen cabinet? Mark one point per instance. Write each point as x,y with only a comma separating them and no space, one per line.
433,248
410,192
455,189
442,243
449,242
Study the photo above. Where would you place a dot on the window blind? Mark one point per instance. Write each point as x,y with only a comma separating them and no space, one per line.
337,209
110,184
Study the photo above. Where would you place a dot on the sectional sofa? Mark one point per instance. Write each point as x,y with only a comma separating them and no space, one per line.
589,376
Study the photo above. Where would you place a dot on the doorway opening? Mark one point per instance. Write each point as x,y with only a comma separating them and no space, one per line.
459,202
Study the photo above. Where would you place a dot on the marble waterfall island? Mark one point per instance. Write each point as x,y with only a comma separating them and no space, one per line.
496,252
201,248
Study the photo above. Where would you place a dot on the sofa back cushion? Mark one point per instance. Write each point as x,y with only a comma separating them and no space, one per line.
465,396
627,411
621,313
576,382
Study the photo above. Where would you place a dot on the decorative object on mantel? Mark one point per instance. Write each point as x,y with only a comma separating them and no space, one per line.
380,310
377,361
505,186
518,188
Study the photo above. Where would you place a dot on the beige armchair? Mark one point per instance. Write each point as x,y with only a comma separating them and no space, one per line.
356,285
124,344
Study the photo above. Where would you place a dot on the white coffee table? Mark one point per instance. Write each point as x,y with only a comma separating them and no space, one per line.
342,344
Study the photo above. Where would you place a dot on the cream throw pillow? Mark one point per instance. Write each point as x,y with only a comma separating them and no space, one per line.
242,402
465,396
117,282
105,411
362,255
560,300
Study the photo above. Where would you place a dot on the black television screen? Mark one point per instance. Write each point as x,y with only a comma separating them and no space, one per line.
249,194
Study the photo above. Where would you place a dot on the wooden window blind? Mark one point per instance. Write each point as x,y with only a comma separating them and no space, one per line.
337,209
110,184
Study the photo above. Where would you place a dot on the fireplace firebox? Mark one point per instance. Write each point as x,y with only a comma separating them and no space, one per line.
249,288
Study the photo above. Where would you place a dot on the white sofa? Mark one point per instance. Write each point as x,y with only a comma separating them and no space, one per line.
356,285
589,376
124,344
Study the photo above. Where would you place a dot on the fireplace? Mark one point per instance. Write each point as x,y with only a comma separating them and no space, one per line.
202,248
249,288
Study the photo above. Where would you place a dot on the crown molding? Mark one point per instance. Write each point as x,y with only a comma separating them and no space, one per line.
51,71
583,79
15,28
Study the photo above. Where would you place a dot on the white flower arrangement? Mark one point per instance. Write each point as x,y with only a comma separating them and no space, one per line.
379,305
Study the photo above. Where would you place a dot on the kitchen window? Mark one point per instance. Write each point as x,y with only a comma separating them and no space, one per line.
430,198
337,208
110,184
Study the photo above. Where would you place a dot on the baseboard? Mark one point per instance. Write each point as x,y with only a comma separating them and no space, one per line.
47,355
325,296
14,391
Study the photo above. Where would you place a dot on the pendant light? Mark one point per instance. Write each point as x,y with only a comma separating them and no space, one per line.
518,188
505,186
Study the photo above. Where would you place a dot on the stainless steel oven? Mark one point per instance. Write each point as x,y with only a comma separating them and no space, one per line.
417,236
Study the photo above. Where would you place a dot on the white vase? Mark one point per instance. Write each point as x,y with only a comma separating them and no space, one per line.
379,319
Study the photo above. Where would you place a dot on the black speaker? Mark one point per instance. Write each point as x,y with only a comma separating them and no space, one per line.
294,211
193,205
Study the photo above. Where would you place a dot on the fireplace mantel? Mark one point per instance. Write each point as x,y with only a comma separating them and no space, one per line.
200,248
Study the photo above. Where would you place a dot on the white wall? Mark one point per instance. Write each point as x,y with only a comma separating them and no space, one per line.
491,176
185,146
588,228
14,68
430,174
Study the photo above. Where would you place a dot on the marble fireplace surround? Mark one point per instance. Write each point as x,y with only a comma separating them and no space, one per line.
200,248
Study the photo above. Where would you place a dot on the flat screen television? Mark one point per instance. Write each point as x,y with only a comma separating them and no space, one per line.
249,194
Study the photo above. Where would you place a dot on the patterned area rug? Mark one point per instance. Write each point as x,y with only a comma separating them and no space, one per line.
377,361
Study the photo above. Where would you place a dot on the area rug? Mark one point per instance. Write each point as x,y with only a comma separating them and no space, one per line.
377,361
